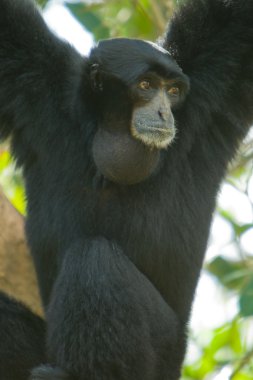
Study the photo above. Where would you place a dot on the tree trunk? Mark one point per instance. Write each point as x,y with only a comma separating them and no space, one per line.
17,275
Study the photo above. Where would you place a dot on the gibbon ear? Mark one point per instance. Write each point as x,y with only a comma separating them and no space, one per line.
96,77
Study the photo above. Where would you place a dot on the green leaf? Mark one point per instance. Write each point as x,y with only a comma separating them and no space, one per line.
230,274
239,229
246,299
18,199
5,160
242,376
244,228
42,3
89,19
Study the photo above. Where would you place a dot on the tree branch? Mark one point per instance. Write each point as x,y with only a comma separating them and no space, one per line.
17,275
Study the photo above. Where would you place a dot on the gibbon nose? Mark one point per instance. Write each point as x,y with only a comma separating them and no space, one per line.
165,114
164,110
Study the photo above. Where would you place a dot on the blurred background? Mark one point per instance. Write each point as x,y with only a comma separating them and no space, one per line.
221,329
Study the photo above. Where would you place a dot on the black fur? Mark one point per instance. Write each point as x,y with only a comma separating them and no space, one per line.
118,265
22,342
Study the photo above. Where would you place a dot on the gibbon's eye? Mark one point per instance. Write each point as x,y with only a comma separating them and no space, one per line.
144,85
174,91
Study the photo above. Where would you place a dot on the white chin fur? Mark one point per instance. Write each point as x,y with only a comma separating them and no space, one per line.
155,140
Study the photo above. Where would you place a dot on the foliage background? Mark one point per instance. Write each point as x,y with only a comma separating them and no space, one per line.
226,351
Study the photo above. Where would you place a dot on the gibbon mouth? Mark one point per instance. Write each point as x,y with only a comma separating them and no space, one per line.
154,137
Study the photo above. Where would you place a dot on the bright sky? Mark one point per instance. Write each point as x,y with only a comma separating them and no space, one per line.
211,307
63,24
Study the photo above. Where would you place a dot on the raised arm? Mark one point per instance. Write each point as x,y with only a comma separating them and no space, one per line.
212,40
34,67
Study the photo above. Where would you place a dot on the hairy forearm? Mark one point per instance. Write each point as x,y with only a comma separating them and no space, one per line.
34,65
212,40
21,21
26,44
204,32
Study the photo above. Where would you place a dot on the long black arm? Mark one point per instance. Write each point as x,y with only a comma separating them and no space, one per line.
213,43
36,64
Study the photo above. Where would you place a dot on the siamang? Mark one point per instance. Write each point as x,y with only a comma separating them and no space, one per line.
123,153
22,340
